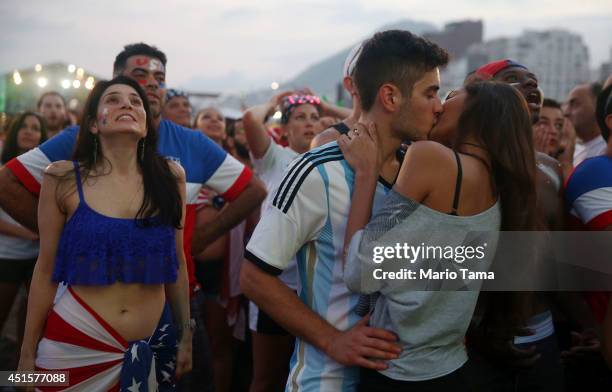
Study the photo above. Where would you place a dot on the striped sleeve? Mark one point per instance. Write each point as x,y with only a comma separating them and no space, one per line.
299,211
230,178
589,193
30,166
594,208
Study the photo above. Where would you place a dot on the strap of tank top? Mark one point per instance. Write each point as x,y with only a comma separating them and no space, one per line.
77,173
457,185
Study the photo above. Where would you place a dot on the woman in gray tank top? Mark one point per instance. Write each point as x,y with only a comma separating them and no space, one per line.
423,256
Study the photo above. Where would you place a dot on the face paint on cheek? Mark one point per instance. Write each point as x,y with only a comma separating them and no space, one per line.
104,116
141,81
162,84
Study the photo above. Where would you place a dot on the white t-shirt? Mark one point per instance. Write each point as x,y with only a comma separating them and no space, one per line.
590,149
14,247
270,168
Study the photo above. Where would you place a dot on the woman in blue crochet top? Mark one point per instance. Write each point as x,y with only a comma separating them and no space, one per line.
111,229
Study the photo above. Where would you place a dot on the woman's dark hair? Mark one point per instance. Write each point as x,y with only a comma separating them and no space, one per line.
161,194
497,115
11,149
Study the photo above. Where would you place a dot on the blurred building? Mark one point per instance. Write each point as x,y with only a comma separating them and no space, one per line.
456,38
20,89
559,58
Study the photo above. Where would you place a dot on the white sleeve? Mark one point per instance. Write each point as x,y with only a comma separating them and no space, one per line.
295,217
267,162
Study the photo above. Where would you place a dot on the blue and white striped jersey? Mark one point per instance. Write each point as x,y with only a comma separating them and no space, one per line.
307,219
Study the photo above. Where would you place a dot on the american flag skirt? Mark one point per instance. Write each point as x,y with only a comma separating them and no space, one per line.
77,340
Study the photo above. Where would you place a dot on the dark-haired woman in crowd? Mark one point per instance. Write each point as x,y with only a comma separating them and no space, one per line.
18,245
111,228
483,180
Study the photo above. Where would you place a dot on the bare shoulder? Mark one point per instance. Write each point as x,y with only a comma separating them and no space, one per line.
433,154
60,168
328,135
425,161
177,170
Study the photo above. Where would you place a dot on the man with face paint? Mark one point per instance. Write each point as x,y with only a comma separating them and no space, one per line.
204,163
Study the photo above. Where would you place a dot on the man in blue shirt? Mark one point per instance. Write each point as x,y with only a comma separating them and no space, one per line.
204,163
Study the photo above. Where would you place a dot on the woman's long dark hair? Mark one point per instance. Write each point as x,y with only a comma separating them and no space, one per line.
497,115
11,148
161,194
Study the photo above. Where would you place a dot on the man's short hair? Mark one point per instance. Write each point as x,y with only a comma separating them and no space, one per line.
394,56
551,103
134,50
46,94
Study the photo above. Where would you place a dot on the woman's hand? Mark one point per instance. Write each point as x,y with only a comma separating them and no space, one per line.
276,100
183,355
360,148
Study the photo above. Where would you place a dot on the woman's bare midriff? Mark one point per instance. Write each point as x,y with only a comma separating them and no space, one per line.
133,310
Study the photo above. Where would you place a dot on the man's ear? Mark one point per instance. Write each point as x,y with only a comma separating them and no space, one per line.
347,82
390,97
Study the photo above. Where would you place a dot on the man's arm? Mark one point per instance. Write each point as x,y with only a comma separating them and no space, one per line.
254,124
300,217
17,201
21,177
238,210
353,347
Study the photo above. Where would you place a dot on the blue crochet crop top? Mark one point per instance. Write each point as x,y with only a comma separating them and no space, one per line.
95,249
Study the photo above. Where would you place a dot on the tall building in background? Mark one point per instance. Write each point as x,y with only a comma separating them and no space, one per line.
559,58
456,38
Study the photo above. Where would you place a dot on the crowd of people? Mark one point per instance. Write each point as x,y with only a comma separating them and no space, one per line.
164,248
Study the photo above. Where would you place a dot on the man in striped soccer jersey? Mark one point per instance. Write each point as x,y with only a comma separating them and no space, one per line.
204,163
398,79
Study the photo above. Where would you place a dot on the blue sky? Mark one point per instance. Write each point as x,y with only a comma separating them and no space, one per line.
241,45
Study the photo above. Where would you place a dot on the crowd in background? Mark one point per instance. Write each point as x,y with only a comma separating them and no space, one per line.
559,341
